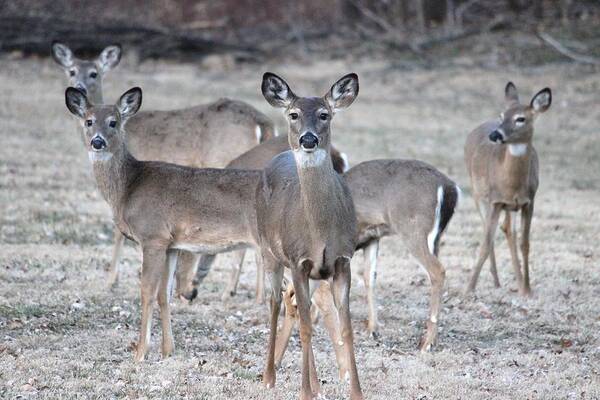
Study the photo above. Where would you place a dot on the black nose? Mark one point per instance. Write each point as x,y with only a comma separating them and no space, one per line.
309,140
81,88
496,136
98,143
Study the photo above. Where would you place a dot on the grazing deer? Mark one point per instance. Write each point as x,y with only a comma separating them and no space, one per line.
202,136
163,207
405,198
306,220
503,167
256,158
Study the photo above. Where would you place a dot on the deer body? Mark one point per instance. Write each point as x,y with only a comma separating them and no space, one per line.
306,220
503,168
163,207
201,136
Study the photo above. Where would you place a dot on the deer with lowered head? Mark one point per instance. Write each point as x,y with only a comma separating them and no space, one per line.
207,135
503,167
306,220
163,207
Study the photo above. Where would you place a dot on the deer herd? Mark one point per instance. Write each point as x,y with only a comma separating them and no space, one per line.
188,184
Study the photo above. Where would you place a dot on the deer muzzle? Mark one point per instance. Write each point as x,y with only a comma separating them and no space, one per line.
309,141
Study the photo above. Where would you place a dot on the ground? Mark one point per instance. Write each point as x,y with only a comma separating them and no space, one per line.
63,334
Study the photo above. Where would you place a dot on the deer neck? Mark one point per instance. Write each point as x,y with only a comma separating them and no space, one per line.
515,162
318,187
114,176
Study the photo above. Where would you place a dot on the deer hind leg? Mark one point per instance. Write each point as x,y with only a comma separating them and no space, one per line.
285,332
276,277
491,223
300,276
153,265
187,264
260,278
371,252
165,293
526,216
234,278
113,267
509,229
341,296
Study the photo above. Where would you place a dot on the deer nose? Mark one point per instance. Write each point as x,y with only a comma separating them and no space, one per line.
309,140
81,88
98,143
496,136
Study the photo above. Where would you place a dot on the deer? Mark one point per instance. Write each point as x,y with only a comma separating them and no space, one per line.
207,135
409,199
503,168
163,207
257,158
306,220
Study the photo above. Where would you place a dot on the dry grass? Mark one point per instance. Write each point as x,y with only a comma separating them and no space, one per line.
64,335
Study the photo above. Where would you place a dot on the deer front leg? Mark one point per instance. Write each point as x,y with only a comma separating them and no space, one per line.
300,280
275,276
510,232
526,216
341,296
234,278
491,223
113,267
370,276
493,266
153,266
165,293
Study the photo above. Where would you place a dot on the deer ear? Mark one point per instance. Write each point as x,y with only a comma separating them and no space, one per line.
130,102
62,54
510,93
110,57
343,92
77,102
276,91
542,100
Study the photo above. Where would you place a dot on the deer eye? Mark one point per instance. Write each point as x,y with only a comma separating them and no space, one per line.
294,116
520,120
89,122
112,123
72,72
324,116
93,75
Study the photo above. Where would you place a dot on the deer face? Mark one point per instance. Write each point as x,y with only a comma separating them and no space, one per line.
103,132
516,124
86,75
309,118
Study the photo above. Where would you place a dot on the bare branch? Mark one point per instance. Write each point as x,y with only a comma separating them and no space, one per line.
555,44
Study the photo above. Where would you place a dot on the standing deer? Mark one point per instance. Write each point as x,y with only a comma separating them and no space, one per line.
405,198
503,167
256,158
202,136
163,207
306,220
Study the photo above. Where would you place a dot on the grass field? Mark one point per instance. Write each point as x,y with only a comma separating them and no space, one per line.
64,335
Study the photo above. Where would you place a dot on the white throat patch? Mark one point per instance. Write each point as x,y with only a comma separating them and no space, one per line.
517,150
310,160
99,156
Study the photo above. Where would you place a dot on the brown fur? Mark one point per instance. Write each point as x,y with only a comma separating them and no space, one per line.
502,181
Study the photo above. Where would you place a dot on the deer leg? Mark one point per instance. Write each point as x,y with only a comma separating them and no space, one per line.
153,266
484,250
300,279
260,278
526,216
509,228
165,292
187,263
203,264
284,334
493,265
113,267
234,278
275,276
341,296
323,299
370,276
